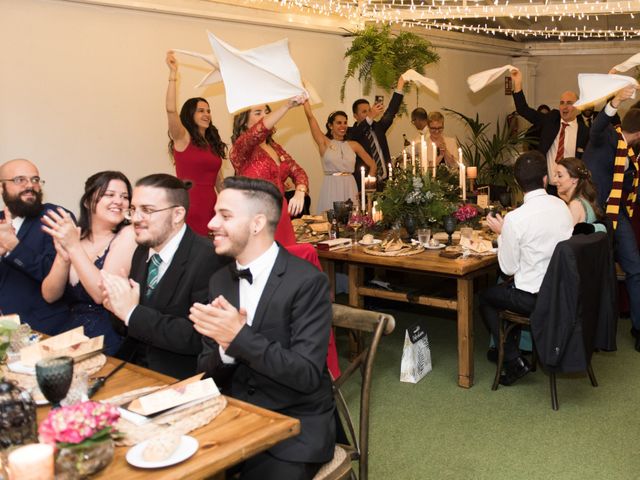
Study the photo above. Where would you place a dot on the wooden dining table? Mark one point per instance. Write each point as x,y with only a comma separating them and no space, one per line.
429,263
239,432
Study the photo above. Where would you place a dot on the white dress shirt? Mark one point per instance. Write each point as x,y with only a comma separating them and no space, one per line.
16,223
570,139
250,293
529,236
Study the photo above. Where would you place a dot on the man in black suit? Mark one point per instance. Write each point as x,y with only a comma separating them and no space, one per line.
26,252
372,134
600,159
561,135
170,271
266,329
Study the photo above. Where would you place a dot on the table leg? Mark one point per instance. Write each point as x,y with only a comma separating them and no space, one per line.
329,268
465,332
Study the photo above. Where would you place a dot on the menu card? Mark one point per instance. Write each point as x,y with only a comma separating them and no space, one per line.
73,343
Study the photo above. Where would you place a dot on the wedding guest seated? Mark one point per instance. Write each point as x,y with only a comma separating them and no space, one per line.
526,243
26,252
102,242
266,329
170,271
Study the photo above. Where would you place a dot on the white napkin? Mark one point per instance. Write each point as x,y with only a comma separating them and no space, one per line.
19,367
429,83
595,87
211,77
629,63
479,80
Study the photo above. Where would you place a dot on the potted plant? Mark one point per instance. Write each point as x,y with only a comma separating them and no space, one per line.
380,56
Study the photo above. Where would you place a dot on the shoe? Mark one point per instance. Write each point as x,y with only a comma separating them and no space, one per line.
515,370
636,334
492,355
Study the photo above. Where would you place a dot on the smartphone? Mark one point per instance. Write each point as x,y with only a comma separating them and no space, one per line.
379,99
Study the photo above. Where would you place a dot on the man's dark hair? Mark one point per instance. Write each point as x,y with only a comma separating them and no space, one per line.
360,101
529,170
631,121
419,114
176,189
265,196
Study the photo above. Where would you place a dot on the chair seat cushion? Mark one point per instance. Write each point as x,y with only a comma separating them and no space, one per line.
338,467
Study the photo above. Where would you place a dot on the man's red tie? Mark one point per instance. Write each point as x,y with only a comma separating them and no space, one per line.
560,154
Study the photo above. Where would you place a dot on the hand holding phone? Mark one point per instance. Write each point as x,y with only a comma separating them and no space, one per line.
379,99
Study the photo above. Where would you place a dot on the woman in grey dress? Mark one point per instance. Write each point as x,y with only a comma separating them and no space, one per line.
338,159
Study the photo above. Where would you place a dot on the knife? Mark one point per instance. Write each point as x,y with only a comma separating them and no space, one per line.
99,382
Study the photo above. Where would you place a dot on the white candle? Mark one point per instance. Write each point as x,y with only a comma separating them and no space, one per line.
404,159
423,155
434,150
460,155
413,152
463,181
472,172
31,462
390,172
363,183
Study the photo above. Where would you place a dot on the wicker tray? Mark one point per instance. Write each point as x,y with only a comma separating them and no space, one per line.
405,252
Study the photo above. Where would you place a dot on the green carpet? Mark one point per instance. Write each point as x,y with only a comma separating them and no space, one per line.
437,430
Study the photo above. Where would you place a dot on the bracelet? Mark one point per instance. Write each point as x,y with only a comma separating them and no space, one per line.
302,189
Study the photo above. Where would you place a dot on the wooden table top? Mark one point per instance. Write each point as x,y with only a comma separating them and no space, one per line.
239,432
428,261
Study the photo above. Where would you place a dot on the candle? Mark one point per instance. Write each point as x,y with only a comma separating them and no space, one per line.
364,187
434,150
460,155
472,172
370,182
31,462
463,181
404,159
423,155
390,171
413,152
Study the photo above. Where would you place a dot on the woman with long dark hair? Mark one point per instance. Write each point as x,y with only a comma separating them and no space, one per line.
256,154
101,240
576,188
197,151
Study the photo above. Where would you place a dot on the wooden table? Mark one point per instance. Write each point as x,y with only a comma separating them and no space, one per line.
428,263
239,432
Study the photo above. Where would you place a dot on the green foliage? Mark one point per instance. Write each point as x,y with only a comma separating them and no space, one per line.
379,56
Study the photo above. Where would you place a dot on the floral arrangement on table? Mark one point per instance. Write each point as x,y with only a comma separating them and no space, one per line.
467,214
362,219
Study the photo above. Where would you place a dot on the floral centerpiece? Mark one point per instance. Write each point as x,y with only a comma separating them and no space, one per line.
467,214
83,435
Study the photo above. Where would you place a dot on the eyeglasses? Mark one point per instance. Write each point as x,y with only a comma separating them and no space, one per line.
144,211
436,129
22,180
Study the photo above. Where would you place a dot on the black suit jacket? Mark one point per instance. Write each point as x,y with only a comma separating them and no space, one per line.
160,335
21,276
281,357
358,132
549,125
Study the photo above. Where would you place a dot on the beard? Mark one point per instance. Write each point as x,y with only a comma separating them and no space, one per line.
21,208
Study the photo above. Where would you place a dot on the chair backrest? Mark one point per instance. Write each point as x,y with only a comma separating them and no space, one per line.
374,325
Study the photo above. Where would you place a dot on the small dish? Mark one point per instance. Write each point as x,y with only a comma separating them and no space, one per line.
376,241
434,247
188,446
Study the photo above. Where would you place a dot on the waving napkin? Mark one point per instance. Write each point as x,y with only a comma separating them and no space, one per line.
595,87
628,64
429,83
479,80
211,77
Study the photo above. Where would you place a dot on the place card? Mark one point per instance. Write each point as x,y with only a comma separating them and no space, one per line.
73,343
334,244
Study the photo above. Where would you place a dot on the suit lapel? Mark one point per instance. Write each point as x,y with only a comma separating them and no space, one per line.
169,281
273,283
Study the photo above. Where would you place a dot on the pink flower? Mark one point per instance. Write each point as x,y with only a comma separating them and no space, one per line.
77,423
465,213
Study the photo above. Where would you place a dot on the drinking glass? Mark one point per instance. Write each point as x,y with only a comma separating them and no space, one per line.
54,377
424,235
449,223
355,222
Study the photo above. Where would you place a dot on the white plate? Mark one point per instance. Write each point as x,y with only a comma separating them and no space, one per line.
434,247
188,446
365,244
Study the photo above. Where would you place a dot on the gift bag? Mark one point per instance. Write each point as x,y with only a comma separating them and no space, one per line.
416,355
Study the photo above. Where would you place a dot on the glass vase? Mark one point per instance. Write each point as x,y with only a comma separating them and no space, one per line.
82,460
18,424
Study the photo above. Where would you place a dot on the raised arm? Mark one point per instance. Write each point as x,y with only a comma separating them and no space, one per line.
523,109
320,138
177,132
366,158
390,113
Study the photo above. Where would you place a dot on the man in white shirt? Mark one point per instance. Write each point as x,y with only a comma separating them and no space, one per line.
527,238
431,127
266,330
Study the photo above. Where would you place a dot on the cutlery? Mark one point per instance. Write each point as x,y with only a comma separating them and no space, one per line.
99,382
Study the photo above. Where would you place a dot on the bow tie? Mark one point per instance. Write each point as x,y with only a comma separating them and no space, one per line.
238,274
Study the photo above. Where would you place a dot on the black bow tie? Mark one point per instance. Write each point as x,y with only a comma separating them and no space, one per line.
238,274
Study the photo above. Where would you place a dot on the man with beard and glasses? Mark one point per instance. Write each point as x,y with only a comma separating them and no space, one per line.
170,271
26,252
266,329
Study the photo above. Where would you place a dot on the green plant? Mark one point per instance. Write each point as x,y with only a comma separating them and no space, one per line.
492,154
381,56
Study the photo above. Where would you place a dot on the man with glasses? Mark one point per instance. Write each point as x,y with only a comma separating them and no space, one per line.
432,127
26,252
561,135
170,271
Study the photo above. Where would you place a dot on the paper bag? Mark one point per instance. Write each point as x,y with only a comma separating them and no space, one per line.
416,355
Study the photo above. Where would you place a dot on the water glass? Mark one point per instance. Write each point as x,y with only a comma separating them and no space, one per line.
466,232
424,235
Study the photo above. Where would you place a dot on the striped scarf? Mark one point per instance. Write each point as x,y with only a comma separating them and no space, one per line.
615,197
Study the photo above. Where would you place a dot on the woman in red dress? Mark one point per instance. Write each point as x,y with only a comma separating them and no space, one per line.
255,154
197,151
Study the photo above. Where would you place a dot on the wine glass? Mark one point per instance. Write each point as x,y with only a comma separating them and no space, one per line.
449,223
355,222
54,377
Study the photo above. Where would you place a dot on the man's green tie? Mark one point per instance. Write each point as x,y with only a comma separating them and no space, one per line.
152,277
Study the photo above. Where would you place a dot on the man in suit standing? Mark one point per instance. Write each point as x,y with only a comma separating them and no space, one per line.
26,252
612,158
170,271
372,134
266,329
561,135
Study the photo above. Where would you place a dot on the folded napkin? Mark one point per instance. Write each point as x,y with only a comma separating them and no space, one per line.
429,83
595,87
628,64
479,80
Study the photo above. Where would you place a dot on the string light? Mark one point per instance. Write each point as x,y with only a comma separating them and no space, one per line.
440,14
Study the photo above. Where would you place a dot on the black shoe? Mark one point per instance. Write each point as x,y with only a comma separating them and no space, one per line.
492,355
514,370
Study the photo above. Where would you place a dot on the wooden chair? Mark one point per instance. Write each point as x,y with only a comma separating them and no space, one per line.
367,322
